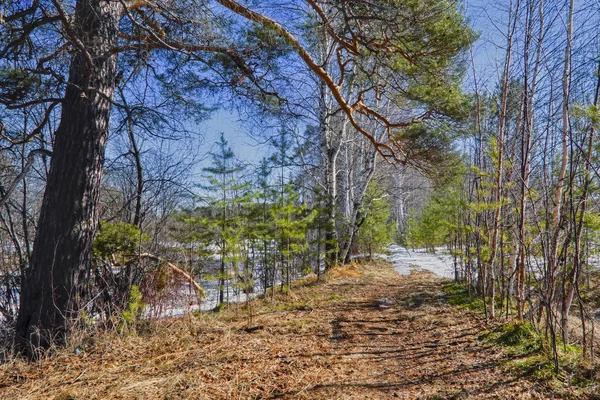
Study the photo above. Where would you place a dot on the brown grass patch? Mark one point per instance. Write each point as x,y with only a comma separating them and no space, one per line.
351,270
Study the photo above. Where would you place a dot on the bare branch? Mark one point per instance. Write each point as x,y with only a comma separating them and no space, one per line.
19,178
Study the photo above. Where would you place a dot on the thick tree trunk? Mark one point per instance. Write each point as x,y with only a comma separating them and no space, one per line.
63,243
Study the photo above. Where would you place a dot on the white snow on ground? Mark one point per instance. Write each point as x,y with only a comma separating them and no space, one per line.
405,260
184,300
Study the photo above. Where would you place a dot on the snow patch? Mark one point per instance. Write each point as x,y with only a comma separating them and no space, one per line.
404,261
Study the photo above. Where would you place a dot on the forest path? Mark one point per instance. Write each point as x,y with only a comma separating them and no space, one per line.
398,338
364,333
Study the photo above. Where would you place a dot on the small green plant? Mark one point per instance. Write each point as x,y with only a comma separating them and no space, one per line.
335,297
539,367
135,309
119,240
376,230
85,318
220,307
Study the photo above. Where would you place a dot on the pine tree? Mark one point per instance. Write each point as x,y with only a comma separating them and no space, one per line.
262,229
292,220
227,198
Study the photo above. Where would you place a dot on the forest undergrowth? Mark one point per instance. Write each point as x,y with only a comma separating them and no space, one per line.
363,331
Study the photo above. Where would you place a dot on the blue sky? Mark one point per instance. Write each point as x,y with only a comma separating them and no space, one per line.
485,16
248,149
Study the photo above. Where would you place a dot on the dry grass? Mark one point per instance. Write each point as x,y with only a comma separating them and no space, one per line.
350,270
362,332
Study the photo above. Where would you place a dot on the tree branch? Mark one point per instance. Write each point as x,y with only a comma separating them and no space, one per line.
334,88
28,164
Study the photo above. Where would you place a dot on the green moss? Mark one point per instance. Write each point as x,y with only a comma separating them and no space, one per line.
519,339
458,295
531,355
538,367
530,352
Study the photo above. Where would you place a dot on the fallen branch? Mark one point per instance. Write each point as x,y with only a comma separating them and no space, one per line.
199,289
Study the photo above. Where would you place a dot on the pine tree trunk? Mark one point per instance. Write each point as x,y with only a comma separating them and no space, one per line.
63,244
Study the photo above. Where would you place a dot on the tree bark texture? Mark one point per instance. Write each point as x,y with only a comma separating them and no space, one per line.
68,219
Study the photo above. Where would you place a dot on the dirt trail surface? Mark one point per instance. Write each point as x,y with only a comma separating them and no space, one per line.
362,334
